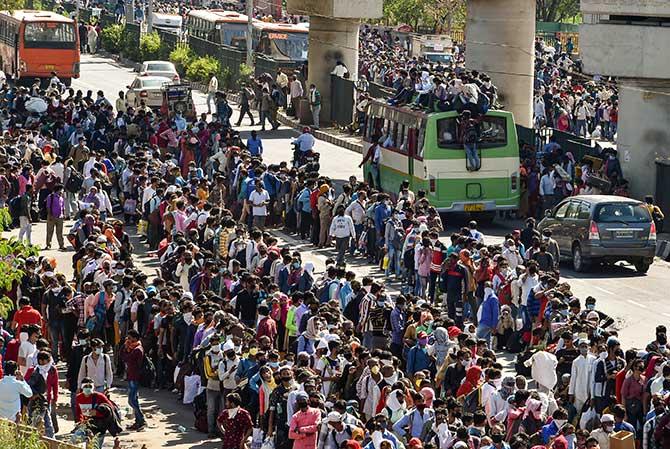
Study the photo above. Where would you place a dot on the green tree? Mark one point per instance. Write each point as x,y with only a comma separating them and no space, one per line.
556,10
11,5
411,12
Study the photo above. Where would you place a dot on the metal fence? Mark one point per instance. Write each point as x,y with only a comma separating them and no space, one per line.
341,100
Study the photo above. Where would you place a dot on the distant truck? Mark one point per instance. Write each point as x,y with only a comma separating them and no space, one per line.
434,47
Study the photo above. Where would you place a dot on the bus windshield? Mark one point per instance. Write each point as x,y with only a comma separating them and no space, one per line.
492,133
291,45
49,35
233,33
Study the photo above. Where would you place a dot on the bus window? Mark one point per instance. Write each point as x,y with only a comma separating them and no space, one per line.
49,35
291,45
492,132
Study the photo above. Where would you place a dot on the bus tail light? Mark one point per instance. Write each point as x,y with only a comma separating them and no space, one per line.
432,185
594,234
514,179
652,231
144,93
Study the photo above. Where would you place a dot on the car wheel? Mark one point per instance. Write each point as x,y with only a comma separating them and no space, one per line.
642,266
579,263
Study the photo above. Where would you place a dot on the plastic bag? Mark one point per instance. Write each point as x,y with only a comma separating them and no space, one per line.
269,443
257,438
589,419
191,388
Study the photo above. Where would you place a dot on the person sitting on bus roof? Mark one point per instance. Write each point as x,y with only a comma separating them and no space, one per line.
305,141
424,87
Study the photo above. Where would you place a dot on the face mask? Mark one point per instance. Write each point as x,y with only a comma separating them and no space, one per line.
98,351
296,266
661,347
609,429
497,438
23,336
391,379
188,317
423,341
497,383
273,364
583,351
590,306
87,391
465,362
83,342
603,355
374,370
216,348
560,422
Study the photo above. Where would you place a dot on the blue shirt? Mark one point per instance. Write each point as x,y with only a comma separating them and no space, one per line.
418,422
548,431
417,360
303,201
255,146
623,425
305,141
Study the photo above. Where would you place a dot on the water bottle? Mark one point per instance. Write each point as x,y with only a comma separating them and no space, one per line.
181,429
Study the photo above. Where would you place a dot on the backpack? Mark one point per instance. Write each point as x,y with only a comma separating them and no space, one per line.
379,320
74,181
15,206
323,292
147,372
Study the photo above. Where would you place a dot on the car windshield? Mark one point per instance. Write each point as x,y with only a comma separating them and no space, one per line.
154,82
622,212
160,67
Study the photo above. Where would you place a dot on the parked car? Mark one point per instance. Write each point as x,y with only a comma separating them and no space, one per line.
159,68
592,229
147,88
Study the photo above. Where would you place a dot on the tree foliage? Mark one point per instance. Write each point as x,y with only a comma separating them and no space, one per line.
11,5
440,15
556,10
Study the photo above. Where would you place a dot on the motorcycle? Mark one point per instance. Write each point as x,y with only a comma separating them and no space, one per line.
305,160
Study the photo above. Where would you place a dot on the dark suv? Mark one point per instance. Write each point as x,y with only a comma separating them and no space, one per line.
602,228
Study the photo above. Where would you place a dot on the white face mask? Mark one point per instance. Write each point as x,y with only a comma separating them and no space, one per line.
188,317
23,336
560,422
497,383
603,355
216,348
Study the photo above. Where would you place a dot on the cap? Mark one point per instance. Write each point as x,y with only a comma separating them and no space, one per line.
228,345
612,342
334,417
109,282
304,396
607,418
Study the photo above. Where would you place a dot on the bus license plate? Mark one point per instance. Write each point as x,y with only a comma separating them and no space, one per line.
49,67
476,207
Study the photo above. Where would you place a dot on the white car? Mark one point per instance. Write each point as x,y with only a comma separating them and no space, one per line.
147,88
160,68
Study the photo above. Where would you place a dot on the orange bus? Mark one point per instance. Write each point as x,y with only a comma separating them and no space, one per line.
35,43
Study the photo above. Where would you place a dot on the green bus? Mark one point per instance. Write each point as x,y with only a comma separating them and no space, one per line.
423,149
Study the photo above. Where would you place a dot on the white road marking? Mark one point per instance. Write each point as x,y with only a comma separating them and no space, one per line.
666,314
603,290
635,303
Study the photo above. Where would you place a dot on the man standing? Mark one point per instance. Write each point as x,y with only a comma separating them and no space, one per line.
259,200
25,222
296,93
12,387
212,87
267,103
234,423
55,213
254,144
342,229
133,357
315,105
282,83
304,424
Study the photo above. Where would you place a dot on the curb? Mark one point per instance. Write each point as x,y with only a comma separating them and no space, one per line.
321,135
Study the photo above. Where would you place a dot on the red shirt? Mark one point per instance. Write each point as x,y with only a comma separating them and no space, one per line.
236,428
85,403
27,315
12,349
133,361
52,382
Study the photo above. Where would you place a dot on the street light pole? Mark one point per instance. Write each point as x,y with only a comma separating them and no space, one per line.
250,32
150,15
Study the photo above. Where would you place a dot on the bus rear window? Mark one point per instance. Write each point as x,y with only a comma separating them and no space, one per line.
492,132
49,35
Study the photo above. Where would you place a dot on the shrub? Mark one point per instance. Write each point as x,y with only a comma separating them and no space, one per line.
112,38
202,69
129,46
246,73
226,78
150,46
180,57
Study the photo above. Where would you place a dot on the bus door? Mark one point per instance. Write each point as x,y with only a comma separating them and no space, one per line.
412,136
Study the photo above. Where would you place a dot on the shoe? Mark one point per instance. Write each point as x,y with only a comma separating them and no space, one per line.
48,247
238,124
136,427
62,248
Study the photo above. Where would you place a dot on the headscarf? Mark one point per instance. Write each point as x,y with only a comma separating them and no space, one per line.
352,444
324,189
473,377
312,332
465,257
392,401
441,345
428,396
533,408
309,268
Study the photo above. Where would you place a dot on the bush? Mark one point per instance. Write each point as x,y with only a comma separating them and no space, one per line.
202,69
112,38
129,46
246,73
150,46
226,78
180,57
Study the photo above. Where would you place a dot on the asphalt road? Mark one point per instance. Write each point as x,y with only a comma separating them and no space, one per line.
637,302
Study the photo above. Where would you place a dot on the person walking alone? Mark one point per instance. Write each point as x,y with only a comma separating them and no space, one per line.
133,356
55,211
212,87
25,221
246,95
315,105
342,229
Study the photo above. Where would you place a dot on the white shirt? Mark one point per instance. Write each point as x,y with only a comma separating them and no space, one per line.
356,211
88,166
28,351
527,284
512,257
258,200
11,391
339,70
544,369
341,227
100,371
580,377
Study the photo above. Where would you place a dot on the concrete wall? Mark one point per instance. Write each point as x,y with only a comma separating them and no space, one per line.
625,50
644,135
331,40
499,42
655,8
344,9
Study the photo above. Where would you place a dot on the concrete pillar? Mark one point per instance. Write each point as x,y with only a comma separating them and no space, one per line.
499,40
643,134
331,40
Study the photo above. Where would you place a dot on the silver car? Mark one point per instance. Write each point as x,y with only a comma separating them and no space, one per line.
147,88
160,68
590,229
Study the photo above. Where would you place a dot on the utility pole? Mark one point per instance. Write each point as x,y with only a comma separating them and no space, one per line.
150,15
76,10
250,33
